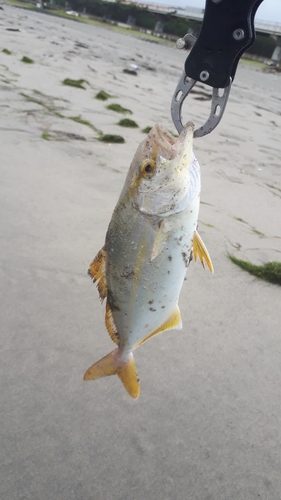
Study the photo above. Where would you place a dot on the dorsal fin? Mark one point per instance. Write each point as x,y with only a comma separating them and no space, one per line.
199,250
97,271
110,325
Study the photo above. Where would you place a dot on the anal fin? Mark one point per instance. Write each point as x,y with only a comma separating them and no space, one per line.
199,250
174,322
97,271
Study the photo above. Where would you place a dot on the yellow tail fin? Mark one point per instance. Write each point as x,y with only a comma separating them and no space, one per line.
111,365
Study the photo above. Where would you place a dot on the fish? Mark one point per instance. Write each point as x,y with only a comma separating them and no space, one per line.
151,239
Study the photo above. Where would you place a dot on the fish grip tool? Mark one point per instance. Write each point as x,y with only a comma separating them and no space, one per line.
227,31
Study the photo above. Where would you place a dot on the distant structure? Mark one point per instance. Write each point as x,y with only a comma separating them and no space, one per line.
195,16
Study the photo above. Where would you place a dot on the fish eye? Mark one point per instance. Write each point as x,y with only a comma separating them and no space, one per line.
148,167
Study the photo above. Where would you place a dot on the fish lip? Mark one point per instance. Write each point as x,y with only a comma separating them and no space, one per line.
185,143
169,147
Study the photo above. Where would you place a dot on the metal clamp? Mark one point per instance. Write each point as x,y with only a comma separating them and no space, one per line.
227,31
218,105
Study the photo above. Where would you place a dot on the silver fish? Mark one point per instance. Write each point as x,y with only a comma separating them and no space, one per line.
149,243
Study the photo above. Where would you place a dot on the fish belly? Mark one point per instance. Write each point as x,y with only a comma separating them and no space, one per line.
143,291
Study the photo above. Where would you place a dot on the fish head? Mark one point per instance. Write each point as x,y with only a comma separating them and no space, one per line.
159,181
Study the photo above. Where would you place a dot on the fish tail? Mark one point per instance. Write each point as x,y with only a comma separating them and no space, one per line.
111,364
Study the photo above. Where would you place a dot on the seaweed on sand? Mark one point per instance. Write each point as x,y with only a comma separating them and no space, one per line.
112,138
102,95
271,271
75,83
119,109
146,130
126,122
27,60
78,119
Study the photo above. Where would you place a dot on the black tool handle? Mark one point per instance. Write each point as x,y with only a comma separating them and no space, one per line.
227,31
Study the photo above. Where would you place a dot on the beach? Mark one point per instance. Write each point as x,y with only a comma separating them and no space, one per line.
207,424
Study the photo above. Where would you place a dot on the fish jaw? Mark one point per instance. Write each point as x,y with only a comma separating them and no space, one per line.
167,189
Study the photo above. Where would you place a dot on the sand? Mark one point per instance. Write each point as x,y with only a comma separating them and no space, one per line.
207,423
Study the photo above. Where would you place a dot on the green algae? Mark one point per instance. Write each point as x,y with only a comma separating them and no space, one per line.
126,122
79,119
119,109
271,271
102,95
46,136
118,139
75,83
27,60
146,130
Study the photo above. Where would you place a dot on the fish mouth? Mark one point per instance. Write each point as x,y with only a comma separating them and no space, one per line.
164,144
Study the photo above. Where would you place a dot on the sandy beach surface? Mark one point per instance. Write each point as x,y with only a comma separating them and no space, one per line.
207,425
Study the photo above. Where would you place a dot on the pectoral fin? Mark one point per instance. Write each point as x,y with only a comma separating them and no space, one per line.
97,271
174,322
199,250
161,238
112,365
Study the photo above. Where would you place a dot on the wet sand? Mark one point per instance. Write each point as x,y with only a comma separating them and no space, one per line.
207,423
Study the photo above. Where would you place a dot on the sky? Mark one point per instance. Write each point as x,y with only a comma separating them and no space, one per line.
269,10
